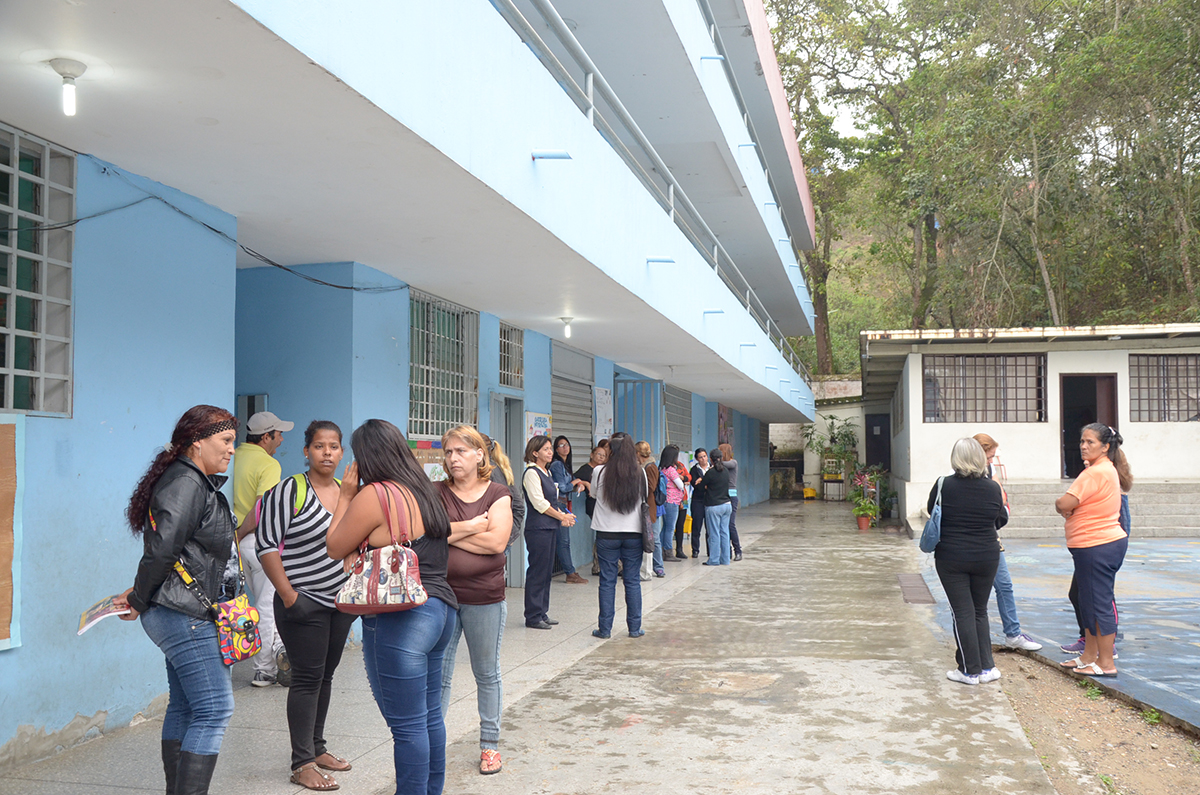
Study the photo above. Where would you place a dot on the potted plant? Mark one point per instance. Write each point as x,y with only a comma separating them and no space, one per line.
866,511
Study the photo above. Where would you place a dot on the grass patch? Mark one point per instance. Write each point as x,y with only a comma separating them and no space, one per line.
1151,716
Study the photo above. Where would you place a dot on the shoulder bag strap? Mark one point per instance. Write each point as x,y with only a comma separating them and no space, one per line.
382,491
938,501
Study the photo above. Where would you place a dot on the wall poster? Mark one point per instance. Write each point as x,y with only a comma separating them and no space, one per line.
724,424
536,425
604,413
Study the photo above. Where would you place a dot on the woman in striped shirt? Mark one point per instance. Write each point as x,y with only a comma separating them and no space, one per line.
290,541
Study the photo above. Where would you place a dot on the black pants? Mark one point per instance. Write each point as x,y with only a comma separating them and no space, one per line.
733,536
698,528
679,523
968,586
314,636
540,546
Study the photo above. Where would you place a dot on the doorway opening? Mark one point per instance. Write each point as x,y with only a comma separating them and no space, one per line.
508,428
879,440
1085,399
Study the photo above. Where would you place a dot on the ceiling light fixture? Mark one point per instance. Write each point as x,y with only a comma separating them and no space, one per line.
566,326
68,70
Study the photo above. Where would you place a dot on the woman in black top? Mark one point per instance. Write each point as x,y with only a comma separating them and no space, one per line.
967,556
699,489
402,651
717,510
184,520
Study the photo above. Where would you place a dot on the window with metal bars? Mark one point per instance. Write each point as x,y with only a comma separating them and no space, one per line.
1164,388
764,439
512,356
37,189
678,405
898,410
443,368
992,388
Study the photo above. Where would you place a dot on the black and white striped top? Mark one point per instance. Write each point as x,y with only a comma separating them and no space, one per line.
305,562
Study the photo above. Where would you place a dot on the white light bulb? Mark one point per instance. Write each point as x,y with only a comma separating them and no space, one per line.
567,331
69,96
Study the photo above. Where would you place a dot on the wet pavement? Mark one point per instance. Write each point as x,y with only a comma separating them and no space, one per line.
799,670
1158,601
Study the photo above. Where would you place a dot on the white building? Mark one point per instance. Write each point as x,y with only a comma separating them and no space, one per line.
1032,389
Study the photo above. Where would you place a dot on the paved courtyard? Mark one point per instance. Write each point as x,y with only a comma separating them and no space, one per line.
799,670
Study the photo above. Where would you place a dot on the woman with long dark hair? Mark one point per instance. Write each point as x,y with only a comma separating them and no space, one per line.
290,542
402,651
480,512
717,509
542,521
731,466
619,487
698,495
675,495
183,519
560,472
1092,509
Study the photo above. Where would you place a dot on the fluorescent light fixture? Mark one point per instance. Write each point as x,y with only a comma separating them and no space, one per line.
748,345
68,70
661,260
566,326
714,311
712,57
550,154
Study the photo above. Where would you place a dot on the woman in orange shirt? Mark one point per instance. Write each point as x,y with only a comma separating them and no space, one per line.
1097,543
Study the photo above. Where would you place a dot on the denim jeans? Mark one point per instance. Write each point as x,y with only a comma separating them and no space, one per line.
562,538
658,544
200,686
629,551
402,653
1005,602
667,529
315,636
483,625
717,519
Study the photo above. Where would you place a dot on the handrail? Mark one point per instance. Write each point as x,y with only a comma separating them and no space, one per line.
673,199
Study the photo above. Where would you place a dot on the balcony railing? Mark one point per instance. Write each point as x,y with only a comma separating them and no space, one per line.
584,84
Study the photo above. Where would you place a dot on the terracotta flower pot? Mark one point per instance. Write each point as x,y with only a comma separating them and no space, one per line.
864,522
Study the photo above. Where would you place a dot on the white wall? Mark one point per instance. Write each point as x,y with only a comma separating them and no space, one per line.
1032,451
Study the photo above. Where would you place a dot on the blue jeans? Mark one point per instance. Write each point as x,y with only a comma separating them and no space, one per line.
562,538
402,653
200,686
1005,601
667,531
658,544
629,552
717,519
484,627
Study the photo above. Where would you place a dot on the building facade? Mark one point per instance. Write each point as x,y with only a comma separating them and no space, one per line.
494,213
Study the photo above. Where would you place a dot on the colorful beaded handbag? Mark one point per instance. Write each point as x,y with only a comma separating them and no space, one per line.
236,619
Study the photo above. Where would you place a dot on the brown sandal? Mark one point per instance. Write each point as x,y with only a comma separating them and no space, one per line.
327,782
489,762
340,765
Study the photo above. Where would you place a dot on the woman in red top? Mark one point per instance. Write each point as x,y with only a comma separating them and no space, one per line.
480,512
1097,543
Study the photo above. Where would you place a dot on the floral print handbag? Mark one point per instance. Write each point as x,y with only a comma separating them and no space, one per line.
385,579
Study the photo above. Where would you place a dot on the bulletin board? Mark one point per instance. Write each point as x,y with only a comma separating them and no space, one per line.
429,455
12,455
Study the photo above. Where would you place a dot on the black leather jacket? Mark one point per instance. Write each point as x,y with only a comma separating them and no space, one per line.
191,523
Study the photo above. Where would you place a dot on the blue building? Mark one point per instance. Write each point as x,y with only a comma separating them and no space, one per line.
434,213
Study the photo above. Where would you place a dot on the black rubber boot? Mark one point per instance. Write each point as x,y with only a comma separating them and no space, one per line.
170,757
195,773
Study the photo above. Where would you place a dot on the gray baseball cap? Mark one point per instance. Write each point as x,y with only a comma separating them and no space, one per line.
265,422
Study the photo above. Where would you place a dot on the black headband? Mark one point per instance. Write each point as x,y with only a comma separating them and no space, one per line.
212,429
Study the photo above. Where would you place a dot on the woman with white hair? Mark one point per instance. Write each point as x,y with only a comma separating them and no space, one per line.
967,555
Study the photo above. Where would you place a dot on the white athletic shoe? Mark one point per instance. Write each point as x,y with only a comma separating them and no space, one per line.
955,675
989,675
1023,642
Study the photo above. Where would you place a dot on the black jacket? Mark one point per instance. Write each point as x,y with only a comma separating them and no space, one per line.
972,511
191,523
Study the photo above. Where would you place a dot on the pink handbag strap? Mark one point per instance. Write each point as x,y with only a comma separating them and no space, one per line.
381,490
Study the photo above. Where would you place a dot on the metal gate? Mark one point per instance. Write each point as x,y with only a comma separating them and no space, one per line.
571,415
678,403
639,411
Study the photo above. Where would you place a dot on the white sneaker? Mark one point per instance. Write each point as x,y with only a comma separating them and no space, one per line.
989,675
955,675
1023,642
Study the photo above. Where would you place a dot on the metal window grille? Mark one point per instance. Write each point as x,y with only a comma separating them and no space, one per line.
678,403
512,356
985,388
443,369
1164,388
37,189
898,409
764,439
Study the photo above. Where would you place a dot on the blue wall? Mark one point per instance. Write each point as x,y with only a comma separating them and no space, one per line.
320,352
537,376
154,335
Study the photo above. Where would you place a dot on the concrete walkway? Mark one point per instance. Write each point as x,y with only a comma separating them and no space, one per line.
798,670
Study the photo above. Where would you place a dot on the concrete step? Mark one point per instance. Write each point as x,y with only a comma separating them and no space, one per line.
1137,509
1139,531
1143,487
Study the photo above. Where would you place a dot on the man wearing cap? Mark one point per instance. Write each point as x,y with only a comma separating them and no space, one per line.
255,471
